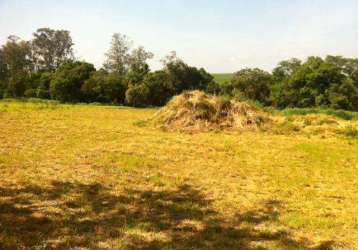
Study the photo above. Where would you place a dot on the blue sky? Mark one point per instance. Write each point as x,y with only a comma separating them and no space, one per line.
219,35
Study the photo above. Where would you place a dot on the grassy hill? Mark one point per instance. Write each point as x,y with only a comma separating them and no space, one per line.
95,177
223,78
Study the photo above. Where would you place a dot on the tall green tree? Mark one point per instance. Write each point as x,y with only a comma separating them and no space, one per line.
3,74
16,59
347,66
183,76
309,84
138,66
330,82
118,56
285,69
281,74
51,48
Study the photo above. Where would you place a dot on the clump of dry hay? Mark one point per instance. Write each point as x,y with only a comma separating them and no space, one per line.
197,111
314,124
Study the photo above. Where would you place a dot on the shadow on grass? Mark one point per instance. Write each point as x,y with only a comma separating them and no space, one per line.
67,215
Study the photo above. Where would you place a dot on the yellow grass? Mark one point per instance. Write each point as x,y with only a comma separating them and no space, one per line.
93,177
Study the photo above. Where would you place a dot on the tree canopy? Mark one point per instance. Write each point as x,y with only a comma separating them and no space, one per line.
51,48
46,67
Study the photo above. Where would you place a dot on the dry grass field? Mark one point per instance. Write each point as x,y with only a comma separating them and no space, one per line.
96,177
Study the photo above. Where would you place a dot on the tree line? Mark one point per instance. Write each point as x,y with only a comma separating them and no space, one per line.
45,67
331,82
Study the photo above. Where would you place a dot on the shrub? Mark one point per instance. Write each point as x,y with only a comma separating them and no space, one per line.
344,96
44,85
213,88
43,93
68,80
253,84
160,87
185,77
16,87
104,87
137,95
30,93
2,89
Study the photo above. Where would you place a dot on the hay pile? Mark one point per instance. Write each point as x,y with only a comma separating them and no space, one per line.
197,111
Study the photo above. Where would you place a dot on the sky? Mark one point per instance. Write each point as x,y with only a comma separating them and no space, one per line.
219,35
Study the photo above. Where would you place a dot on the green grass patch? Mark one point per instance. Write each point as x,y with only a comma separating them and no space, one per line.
223,78
343,114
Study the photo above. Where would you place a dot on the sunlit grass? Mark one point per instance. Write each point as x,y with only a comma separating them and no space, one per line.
343,114
95,177
223,78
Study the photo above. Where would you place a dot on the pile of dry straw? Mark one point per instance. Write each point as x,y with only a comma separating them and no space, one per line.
197,111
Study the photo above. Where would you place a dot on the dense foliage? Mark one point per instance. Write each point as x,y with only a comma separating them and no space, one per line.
104,87
66,84
45,67
252,83
331,82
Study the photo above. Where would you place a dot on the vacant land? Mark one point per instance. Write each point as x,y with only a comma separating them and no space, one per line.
96,177
223,78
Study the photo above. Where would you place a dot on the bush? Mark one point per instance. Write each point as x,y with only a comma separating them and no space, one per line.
68,80
2,89
43,93
253,84
344,96
138,95
16,87
104,87
29,93
160,88
38,85
44,84
213,88
185,77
